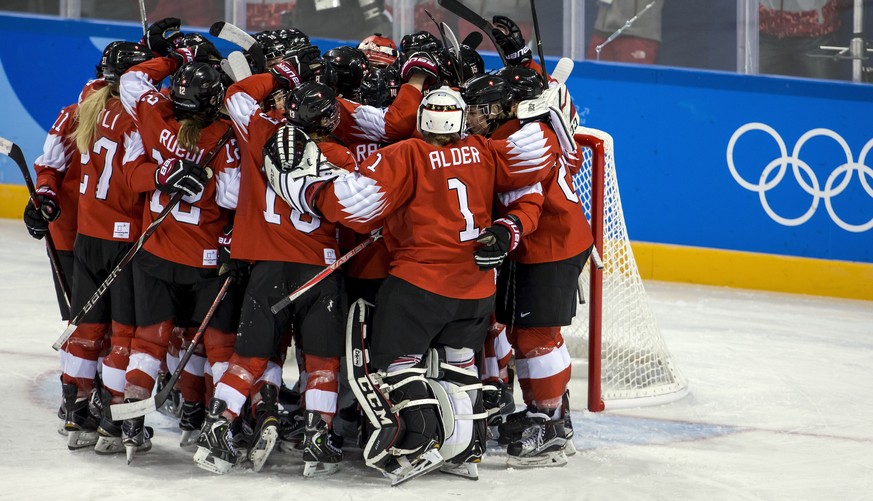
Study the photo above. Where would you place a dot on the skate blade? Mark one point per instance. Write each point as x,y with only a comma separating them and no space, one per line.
569,448
428,462
263,447
81,439
203,459
109,445
130,450
189,438
316,469
61,430
465,470
544,460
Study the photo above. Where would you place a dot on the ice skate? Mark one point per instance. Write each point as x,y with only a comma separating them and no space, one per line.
81,419
465,470
541,444
190,421
215,450
266,430
172,407
135,435
569,448
322,448
513,426
109,441
291,426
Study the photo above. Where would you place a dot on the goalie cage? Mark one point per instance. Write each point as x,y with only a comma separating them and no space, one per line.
615,331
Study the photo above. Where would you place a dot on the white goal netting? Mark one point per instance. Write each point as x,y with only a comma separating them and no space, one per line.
636,367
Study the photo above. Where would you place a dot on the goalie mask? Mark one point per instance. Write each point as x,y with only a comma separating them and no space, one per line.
284,151
380,51
442,111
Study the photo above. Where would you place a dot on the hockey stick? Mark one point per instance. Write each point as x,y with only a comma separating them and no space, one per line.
143,407
12,151
122,264
464,12
239,65
472,40
447,43
238,36
143,18
533,12
285,301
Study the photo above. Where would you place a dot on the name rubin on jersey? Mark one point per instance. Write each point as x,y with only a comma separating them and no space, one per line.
464,155
171,142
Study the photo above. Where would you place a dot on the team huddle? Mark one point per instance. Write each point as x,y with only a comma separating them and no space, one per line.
217,209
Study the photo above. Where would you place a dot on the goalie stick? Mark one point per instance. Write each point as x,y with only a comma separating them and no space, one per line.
451,44
285,301
174,200
237,36
12,151
536,25
130,410
464,12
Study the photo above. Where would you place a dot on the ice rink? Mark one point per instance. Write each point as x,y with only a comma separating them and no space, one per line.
780,407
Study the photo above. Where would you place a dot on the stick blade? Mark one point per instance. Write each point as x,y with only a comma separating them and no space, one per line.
563,69
132,410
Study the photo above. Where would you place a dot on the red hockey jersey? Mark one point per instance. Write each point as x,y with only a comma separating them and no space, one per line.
435,201
58,168
189,235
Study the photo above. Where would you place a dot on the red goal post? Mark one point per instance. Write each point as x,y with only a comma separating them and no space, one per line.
615,332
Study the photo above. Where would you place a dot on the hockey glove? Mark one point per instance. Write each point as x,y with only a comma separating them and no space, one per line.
37,226
181,175
227,266
184,55
160,35
48,203
421,63
286,73
498,240
510,40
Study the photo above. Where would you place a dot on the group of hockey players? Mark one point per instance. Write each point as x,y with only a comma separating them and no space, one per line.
438,174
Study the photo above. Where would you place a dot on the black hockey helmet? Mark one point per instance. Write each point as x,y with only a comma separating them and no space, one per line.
104,58
274,47
349,64
197,89
291,36
471,63
380,86
420,40
122,56
525,82
489,99
313,107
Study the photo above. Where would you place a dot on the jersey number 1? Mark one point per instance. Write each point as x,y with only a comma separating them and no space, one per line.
471,232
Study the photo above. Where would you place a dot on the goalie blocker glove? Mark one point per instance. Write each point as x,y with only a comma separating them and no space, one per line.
498,240
175,175
296,169
510,40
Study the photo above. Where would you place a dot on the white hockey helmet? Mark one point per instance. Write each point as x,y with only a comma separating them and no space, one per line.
442,111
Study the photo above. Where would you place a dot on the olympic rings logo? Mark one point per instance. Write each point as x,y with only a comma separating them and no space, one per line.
835,184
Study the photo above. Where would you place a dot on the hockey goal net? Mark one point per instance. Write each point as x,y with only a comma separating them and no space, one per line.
615,332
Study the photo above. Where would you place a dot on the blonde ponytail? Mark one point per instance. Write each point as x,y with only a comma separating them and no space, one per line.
87,115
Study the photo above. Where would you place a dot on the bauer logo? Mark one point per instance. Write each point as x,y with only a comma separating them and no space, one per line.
791,190
357,358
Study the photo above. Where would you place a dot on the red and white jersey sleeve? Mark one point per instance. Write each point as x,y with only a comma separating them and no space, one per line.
265,227
58,168
563,231
366,124
525,157
108,208
139,82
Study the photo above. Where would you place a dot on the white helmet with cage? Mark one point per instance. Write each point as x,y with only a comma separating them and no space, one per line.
442,111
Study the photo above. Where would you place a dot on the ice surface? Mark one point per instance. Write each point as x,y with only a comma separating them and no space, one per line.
780,407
